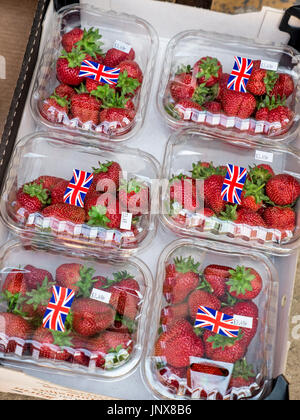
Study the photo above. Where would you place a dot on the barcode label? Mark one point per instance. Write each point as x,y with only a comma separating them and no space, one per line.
100,295
242,321
264,156
269,65
122,46
126,220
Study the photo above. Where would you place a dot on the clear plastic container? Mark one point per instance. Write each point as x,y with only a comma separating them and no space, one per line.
198,94
268,217
119,31
105,328
121,224
187,361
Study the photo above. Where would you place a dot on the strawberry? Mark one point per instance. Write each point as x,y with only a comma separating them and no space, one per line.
13,327
106,216
244,283
279,218
178,344
274,110
91,84
51,344
183,193
90,317
35,276
114,57
99,349
134,196
172,313
118,117
106,177
247,309
202,170
223,349
242,216
204,94
32,197
64,91
74,276
284,86
238,104
261,81
216,276
283,189
181,279
185,78
48,182
208,70
13,289
35,302
85,107
66,212
70,38
201,298
133,70
179,90
116,341
55,108
68,67
81,350
214,107
58,192
182,106
243,375
212,193
253,195
223,82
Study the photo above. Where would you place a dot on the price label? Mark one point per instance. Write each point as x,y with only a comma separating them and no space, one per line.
122,46
126,220
243,321
100,295
264,156
269,65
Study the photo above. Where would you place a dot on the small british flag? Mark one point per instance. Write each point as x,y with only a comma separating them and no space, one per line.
99,72
216,321
58,308
240,75
234,184
78,187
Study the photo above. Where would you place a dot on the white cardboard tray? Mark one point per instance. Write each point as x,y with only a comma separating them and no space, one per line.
169,19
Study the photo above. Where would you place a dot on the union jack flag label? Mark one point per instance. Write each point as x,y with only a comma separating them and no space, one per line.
216,322
233,184
240,75
99,72
78,187
58,308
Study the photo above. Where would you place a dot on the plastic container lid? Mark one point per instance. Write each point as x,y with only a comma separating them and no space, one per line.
49,195
199,197
73,312
193,88
214,323
129,40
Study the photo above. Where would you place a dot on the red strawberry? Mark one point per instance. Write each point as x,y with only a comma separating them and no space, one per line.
246,309
66,212
238,104
64,91
85,107
36,300
185,105
15,282
284,86
68,67
35,276
201,298
13,326
243,216
261,81
186,78
179,91
114,57
119,117
181,279
55,108
183,192
243,375
70,38
178,344
132,68
134,196
244,283
58,192
253,195
74,276
279,218
214,107
172,313
212,193
48,182
223,81
274,110
90,317
107,216
32,197
99,349
81,350
223,349
106,177
51,344
216,276
208,70
283,189
117,340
